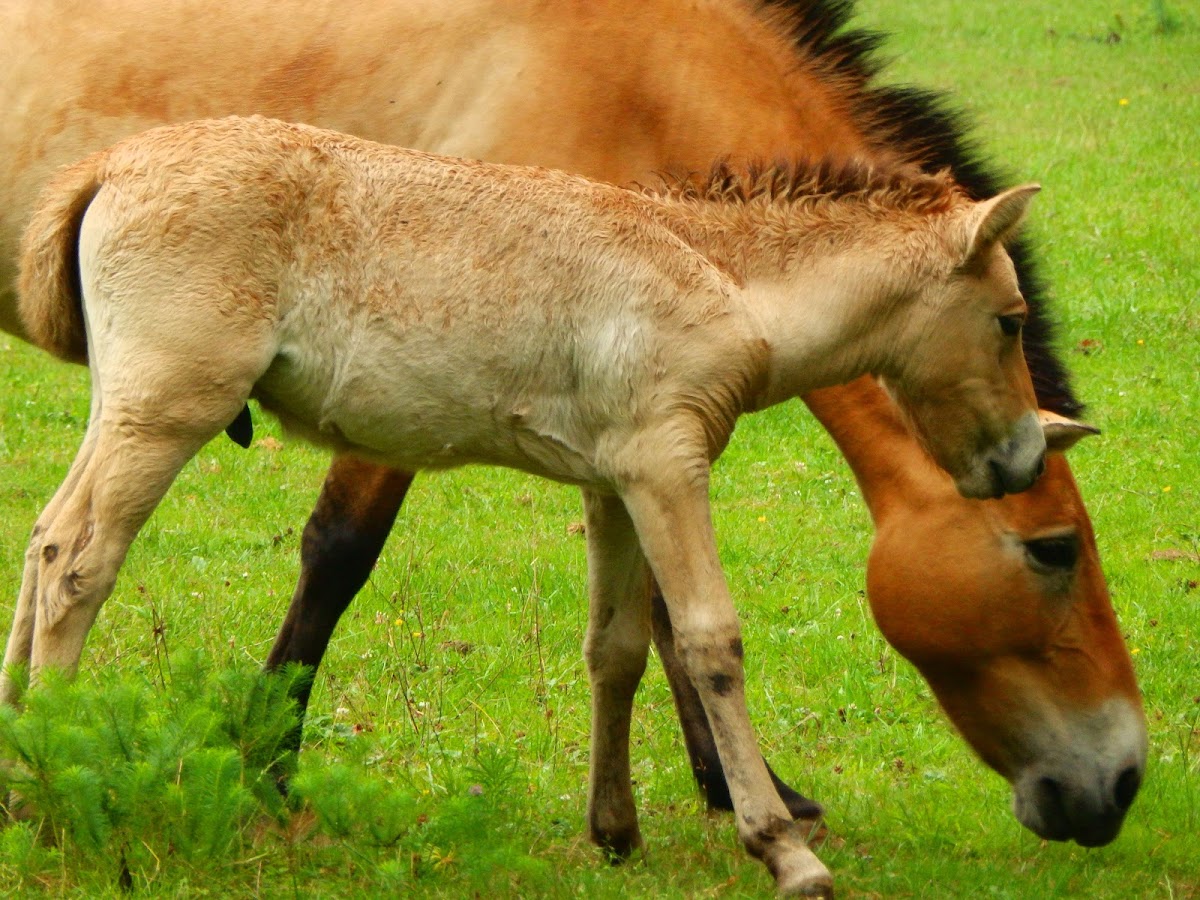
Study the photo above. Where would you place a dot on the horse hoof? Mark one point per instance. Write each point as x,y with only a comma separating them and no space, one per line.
810,884
798,872
803,810
618,846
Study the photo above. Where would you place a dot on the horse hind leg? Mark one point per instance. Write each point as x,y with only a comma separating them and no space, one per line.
20,640
85,539
341,543
143,429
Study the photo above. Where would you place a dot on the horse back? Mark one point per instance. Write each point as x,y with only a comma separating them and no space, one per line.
423,310
617,92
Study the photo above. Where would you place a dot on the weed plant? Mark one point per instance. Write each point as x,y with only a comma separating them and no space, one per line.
116,786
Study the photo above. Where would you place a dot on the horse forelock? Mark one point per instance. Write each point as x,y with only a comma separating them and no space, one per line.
926,130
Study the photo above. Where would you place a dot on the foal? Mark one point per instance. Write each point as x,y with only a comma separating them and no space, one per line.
427,313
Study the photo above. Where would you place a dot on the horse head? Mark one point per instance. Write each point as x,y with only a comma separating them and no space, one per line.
1019,642
961,378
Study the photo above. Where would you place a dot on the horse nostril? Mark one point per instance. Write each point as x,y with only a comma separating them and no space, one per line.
1052,794
998,482
1041,466
1128,783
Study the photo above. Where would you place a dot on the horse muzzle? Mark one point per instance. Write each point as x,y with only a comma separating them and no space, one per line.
1071,797
1009,467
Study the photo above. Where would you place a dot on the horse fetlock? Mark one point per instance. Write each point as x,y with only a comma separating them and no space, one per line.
760,839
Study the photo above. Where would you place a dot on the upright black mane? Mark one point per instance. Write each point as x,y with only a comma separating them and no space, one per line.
934,135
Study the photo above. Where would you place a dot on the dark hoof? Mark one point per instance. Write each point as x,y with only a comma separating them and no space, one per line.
716,794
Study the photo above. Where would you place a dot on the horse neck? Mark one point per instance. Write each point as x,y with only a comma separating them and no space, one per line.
825,300
890,466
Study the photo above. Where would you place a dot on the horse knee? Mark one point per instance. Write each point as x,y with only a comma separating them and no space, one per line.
713,657
616,656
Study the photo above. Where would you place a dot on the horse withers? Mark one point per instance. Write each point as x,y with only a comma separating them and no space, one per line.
430,312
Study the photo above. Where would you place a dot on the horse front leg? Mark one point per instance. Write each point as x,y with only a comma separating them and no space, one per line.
674,525
341,543
617,643
697,733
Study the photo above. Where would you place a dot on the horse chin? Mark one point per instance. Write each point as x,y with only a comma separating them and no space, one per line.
1041,808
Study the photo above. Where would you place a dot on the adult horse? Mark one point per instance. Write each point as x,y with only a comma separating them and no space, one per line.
1001,604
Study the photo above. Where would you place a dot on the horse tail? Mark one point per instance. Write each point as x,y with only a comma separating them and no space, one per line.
51,295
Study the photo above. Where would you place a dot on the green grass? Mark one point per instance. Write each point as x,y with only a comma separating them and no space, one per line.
463,650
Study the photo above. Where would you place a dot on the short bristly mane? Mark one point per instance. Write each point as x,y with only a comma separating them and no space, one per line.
754,218
926,130
904,188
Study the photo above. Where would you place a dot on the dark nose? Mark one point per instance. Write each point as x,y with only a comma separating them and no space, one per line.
1072,815
1007,480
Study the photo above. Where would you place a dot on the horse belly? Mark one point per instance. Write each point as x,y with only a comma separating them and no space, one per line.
416,405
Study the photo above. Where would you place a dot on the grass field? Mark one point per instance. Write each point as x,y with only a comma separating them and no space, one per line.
455,685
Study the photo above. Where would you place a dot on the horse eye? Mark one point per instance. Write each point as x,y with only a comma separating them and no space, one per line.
1011,325
1053,554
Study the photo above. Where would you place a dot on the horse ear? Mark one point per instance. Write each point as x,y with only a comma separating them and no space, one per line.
1062,433
996,220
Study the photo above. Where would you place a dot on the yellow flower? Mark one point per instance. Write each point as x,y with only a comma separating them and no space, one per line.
1123,101
1166,489
762,518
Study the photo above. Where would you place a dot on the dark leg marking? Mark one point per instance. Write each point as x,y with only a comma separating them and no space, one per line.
341,543
721,684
